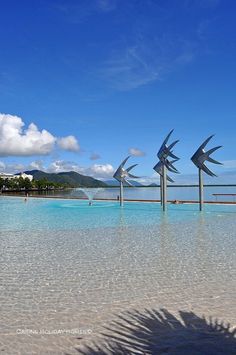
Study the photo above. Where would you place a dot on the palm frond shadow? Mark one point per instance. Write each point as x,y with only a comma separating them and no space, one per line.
160,332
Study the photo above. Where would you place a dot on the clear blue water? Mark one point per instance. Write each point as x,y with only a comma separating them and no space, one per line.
67,265
59,214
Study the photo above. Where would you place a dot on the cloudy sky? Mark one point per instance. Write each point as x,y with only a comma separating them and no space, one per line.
84,83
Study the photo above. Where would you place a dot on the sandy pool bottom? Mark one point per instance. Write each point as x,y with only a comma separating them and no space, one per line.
111,290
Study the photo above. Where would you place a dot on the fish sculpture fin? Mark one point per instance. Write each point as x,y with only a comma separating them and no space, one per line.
133,176
212,150
157,168
124,161
173,156
202,146
131,167
169,178
173,144
207,170
173,161
167,137
171,167
214,161
127,182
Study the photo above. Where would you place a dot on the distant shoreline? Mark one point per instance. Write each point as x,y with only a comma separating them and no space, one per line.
193,185
125,200
111,187
175,185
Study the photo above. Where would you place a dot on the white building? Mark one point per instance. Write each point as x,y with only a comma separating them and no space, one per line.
5,176
24,176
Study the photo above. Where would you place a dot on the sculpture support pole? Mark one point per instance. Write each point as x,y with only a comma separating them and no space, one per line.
121,194
164,188
200,189
161,190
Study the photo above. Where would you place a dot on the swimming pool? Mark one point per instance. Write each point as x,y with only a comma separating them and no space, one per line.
69,266
59,214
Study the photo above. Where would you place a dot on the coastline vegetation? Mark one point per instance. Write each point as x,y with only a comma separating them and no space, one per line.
21,184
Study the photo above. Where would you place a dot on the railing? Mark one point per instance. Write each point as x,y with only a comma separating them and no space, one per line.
216,196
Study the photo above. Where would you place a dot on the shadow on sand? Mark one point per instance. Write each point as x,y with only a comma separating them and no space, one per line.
160,332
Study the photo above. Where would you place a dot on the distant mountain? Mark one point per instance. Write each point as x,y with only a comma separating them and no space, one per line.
71,178
135,183
114,182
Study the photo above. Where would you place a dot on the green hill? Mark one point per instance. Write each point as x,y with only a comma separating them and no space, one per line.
71,178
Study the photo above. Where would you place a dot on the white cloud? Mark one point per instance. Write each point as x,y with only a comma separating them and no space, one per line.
2,166
94,156
106,171
58,166
18,142
136,152
11,167
15,140
69,143
145,59
36,165
101,171
17,167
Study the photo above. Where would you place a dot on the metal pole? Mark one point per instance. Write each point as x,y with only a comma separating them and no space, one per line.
121,194
200,189
164,188
161,190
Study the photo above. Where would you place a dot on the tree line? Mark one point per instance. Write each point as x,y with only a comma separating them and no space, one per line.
19,183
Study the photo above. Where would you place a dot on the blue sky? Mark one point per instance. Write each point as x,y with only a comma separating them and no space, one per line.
103,78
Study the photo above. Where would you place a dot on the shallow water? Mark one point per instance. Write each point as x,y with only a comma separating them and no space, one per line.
69,267
59,214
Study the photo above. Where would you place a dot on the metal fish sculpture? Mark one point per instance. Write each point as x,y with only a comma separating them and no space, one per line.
199,158
164,154
122,175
